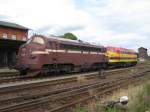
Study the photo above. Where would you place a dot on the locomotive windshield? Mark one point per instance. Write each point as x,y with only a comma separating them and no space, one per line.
38,40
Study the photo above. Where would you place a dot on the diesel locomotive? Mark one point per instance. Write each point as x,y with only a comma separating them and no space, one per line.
121,57
43,55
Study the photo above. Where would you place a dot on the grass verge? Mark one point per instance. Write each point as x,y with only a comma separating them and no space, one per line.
139,101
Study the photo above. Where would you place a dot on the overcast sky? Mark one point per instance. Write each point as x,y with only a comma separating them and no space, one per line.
121,23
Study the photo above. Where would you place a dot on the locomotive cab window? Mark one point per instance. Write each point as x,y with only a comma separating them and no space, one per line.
38,40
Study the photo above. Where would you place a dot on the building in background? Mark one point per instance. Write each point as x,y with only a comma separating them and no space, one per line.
143,56
11,37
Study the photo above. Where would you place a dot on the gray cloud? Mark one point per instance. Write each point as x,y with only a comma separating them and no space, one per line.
62,30
4,18
124,23
44,29
59,30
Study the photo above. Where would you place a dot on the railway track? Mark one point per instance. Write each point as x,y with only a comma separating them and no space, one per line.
66,96
9,74
13,78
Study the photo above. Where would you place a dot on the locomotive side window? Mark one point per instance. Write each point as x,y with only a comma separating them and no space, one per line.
38,40
70,47
73,47
100,49
62,46
103,50
87,49
83,49
92,49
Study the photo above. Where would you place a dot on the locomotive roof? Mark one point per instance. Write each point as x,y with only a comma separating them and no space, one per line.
70,42
120,49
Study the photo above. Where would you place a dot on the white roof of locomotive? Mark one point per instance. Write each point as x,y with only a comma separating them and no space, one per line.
63,39
74,41
67,41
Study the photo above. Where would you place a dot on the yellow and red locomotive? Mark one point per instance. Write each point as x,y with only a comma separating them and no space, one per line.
121,57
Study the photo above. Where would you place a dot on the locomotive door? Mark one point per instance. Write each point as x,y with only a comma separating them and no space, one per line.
55,53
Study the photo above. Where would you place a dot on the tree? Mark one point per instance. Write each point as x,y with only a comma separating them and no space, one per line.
70,36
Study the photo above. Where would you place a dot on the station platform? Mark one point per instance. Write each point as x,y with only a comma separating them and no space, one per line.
7,70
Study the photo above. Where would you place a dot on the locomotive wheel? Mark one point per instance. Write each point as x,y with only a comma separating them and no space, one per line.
124,65
45,70
67,69
105,66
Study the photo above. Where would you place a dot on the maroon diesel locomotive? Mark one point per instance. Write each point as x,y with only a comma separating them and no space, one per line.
42,54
